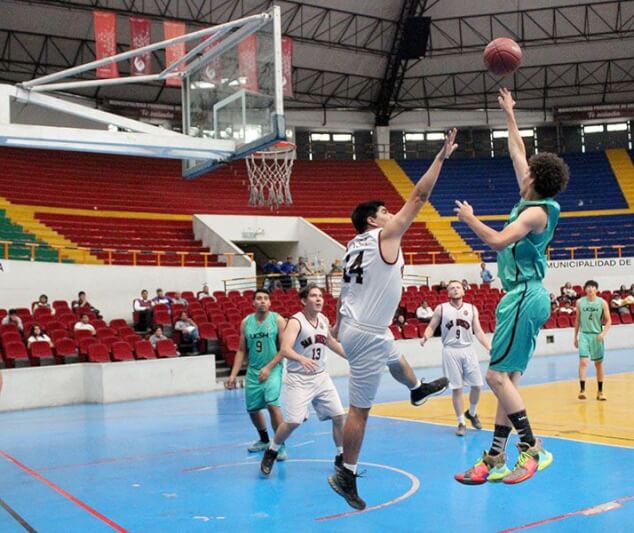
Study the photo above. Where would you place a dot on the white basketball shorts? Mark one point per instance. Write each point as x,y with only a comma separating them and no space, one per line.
461,367
302,390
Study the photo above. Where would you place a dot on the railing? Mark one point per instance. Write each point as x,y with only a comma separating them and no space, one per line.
158,255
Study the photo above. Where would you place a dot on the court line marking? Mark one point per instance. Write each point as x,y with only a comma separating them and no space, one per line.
591,443
19,519
415,483
587,511
64,493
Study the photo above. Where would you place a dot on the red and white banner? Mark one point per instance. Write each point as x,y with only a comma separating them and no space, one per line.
248,65
140,37
105,42
212,70
287,66
174,52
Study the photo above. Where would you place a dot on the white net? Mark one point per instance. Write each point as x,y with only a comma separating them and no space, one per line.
270,175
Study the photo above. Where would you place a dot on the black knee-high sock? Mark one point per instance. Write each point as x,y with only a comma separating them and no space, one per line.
582,385
500,437
523,427
264,435
600,385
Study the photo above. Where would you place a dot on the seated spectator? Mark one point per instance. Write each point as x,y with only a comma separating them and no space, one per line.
36,335
303,270
188,329
42,302
424,312
442,286
143,307
569,292
13,318
621,305
178,299
160,298
204,293
84,323
82,303
287,268
566,307
157,335
336,267
562,300
399,318
631,291
485,274
465,285
271,270
553,301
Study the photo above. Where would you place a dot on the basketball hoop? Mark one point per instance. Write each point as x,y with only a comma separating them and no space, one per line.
270,175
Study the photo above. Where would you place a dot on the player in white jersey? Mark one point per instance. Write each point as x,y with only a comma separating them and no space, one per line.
459,322
304,343
370,294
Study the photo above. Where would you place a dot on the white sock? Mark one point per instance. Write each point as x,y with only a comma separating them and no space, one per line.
461,419
472,408
352,468
339,450
275,446
415,386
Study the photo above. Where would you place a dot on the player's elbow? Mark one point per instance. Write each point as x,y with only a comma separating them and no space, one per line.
496,243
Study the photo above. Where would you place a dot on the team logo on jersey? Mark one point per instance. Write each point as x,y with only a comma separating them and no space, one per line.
318,339
465,313
459,322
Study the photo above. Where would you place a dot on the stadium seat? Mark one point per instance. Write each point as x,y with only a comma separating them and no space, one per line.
144,350
124,331
231,343
626,319
65,351
105,332
396,331
15,354
83,345
41,353
98,353
166,348
121,351
118,323
8,327
410,331
10,336
81,334
563,321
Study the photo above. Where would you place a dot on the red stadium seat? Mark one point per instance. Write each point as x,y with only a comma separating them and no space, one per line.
550,323
65,351
409,331
98,353
626,319
166,348
144,350
109,340
55,324
84,344
207,331
56,334
563,321
230,346
41,352
15,354
41,312
105,332
10,336
122,351
162,318
396,331
124,331
9,327
118,323
132,339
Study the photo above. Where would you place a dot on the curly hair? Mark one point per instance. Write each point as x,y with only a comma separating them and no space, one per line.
551,174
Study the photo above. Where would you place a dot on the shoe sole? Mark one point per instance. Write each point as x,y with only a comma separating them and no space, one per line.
473,425
264,472
421,402
506,481
335,487
470,481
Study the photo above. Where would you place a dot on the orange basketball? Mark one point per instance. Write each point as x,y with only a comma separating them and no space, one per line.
502,56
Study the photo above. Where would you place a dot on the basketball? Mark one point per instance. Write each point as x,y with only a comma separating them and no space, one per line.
502,56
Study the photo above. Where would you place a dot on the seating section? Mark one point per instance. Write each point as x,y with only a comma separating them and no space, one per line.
418,240
23,239
584,232
100,234
490,184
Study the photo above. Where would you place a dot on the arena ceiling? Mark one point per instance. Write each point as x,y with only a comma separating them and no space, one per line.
346,51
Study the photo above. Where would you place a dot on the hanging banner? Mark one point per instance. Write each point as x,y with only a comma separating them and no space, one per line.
211,72
140,37
105,24
248,66
176,51
287,66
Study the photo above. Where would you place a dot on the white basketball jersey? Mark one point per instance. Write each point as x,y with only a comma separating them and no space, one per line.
311,343
457,325
371,287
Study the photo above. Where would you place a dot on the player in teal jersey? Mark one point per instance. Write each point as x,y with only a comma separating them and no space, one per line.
590,332
259,340
525,307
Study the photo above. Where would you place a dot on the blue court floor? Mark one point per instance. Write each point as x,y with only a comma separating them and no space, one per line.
180,464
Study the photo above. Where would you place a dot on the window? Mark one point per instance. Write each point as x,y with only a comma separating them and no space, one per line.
341,137
320,136
503,134
597,128
436,136
621,126
414,136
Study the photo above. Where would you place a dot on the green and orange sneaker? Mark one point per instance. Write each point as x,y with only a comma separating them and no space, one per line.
531,459
488,468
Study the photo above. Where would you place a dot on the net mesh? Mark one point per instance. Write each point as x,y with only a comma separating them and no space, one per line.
270,176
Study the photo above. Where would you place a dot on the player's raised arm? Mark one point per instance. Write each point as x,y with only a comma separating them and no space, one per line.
531,219
237,362
479,332
402,220
288,340
431,327
517,150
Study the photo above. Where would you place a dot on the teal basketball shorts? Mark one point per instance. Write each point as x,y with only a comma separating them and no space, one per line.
519,316
590,346
260,395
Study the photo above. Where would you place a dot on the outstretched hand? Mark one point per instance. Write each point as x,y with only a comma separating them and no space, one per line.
506,100
450,145
464,210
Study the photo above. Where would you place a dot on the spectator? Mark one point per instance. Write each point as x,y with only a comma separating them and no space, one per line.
143,308
424,312
13,318
83,304
178,299
569,292
42,302
566,307
399,318
157,336
36,335
204,293
272,270
632,289
621,305
465,285
553,302
485,274
188,329
160,298
336,267
303,270
442,286
84,323
288,268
